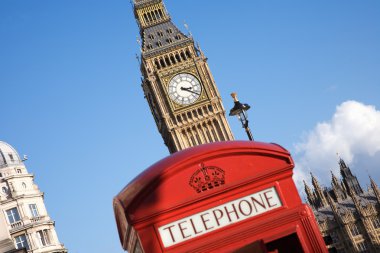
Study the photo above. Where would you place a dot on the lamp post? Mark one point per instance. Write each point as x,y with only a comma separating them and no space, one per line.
240,111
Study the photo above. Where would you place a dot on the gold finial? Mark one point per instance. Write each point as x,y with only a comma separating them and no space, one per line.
234,96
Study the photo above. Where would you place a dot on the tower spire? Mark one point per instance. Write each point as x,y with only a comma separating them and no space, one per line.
375,189
349,179
309,194
318,191
338,191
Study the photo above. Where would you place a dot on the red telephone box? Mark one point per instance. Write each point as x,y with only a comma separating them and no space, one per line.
234,196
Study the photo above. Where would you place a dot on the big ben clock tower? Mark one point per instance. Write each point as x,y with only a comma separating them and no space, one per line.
177,82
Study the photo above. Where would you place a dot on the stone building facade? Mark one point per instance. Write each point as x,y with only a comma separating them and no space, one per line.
25,225
348,216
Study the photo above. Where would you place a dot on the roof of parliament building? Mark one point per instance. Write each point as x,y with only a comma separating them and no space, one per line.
348,216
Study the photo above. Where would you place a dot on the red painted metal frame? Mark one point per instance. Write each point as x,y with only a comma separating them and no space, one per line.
162,194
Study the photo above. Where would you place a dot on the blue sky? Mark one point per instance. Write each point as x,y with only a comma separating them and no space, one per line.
71,97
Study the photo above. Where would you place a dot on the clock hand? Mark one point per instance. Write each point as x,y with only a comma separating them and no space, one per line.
189,90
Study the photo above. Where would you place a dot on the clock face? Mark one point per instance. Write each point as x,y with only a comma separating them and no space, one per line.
184,89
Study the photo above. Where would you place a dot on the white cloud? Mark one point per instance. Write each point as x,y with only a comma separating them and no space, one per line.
353,132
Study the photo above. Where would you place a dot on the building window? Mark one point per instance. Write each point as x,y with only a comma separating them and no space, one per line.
11,157
376,223
21,242
33,210
19,171
362,246
13,215
4,190
354,230
160,33
43,237
334,237
328,240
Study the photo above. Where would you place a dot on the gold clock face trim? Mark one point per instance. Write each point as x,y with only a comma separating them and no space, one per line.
184,89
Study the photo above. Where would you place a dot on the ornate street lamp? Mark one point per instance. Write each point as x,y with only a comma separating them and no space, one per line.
240,111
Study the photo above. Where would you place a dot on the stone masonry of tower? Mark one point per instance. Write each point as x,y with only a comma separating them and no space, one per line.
177,82
25,225
348,217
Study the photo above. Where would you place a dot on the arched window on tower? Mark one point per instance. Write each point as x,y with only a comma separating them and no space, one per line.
172,59
220,133
188,53
213,131
178,58
160,12
198,139
162,62
191,137
193,140
150,17
153,15
167,61
183,56
157,64
201,133
157,14
208,133
186,139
